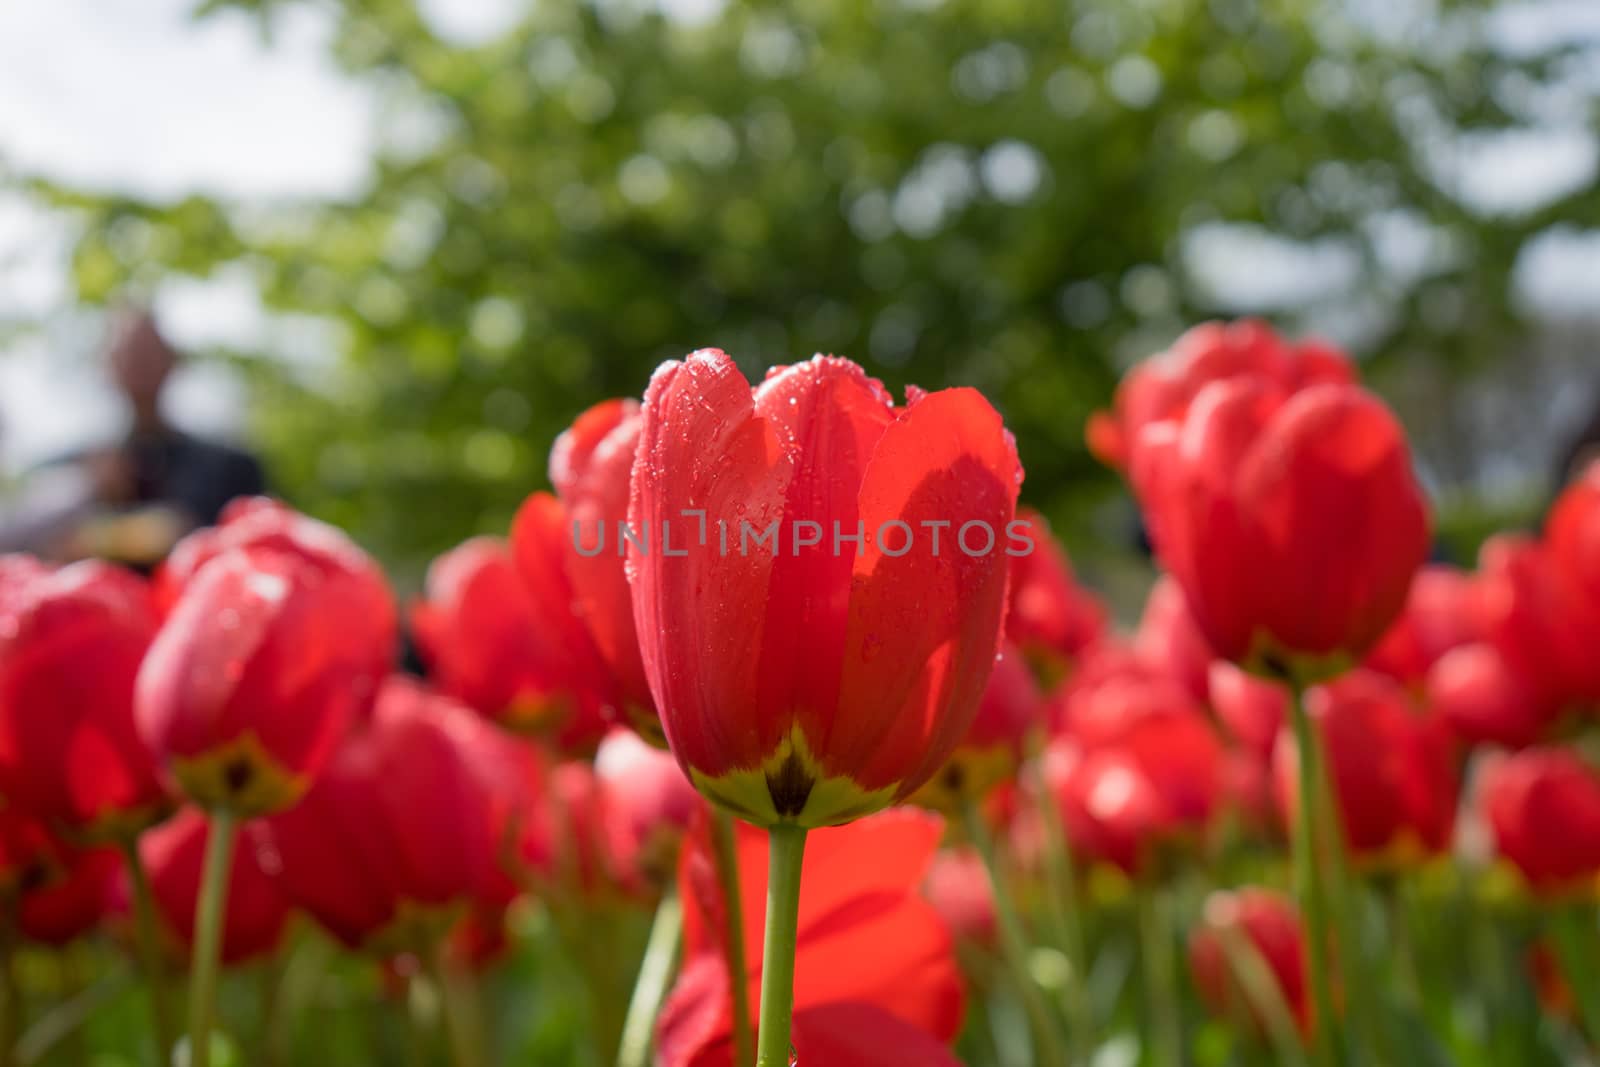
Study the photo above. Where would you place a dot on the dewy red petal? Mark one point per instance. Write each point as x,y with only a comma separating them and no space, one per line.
816,683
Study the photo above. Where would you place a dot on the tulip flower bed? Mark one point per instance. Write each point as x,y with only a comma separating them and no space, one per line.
723,756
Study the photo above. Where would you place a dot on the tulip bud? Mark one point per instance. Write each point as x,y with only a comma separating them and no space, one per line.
511,649
1293,523
253,678
1256,920
1543,809
648,806
825,659
71,642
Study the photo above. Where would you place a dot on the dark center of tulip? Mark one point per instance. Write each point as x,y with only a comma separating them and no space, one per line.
790,786
237,774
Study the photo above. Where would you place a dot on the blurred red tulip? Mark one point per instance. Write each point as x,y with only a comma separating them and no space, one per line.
174,854
1540,619
1259,919
1441,615
1294,523
255,676
1011,709
1139,770
1476,691
591,467
71,902
959,889
1051,618
1252,710
1161,389
876,981
648,806
813,685
409,822
1170,640
1542,806
71,642
1392,769
511,649
366,605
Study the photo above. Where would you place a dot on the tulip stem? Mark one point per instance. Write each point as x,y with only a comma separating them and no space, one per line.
1309,885
1062,908
458,1001
147,938
787,845
1160,978
666,930
208,934
1575,949
1048,1051
726,860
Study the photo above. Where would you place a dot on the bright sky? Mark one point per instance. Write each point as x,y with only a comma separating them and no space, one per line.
136,97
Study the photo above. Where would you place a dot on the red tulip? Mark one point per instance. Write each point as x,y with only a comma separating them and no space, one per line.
1139,769
1051,617
1536,616
1252,710
648,806
1293,522
1261,920
959,889
1162,389
591,467
509,648
29,853
812,680
1441,615
1543,809
408,822
1170,641
876,981
254,677
71,642
366,605
1484,700
1011,709
72,901
1392,770
174,853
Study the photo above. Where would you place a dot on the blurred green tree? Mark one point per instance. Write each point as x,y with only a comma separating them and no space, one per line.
987,192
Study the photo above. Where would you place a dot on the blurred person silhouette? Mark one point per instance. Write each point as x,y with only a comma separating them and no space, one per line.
132,500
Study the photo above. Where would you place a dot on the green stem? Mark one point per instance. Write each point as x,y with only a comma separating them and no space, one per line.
1575,949
660,952
458,997
1048,1051
726,860
147,940
1066,920
1309,886
208,935
68,1019
1160,978
788,847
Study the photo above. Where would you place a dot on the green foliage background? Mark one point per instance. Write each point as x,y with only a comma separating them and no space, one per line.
603,188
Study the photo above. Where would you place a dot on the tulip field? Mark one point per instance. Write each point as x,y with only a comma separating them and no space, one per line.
782,732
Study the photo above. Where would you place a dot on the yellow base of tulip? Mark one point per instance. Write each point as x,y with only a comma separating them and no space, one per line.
790,788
